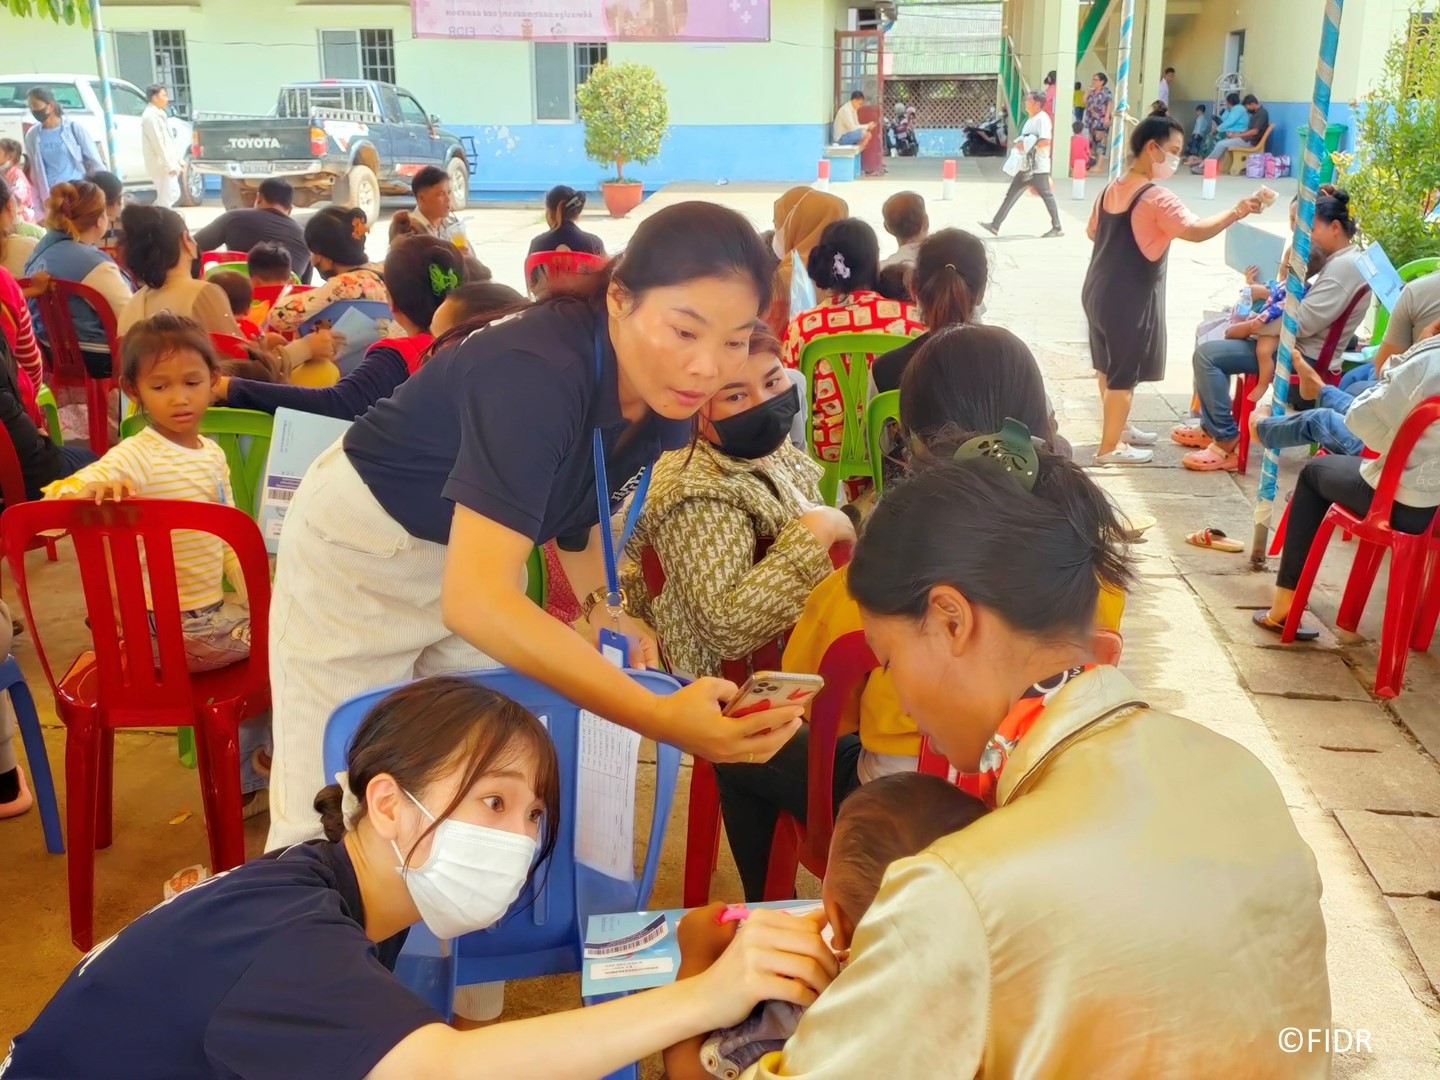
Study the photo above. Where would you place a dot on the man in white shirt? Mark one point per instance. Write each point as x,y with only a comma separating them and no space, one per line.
847,129
162,156
431,188
1163,96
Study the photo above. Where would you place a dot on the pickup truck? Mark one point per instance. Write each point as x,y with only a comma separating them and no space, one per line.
347,140
79,96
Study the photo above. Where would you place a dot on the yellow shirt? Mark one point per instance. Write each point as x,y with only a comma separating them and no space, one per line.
1138,905
157,468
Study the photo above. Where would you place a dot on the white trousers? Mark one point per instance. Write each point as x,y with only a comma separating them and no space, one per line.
355,605
167,190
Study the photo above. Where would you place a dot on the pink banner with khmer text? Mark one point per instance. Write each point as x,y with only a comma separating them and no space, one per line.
594,20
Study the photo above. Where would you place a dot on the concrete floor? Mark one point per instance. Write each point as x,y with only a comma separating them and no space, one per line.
1359,776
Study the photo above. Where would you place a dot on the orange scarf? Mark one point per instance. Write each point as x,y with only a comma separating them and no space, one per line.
1018,721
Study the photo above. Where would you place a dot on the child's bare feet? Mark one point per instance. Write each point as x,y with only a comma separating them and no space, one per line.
1310,382
1259,391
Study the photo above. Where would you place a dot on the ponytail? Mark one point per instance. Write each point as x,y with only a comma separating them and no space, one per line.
951,273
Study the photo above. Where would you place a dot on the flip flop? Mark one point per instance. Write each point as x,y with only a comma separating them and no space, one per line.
1214,538
1211,459
1262,620
1137,525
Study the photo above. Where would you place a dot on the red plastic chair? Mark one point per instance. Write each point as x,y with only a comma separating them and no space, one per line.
546,266
117,685
1409,620
229,346
67,359
1240,404
218,258
12,492
270,293
845,667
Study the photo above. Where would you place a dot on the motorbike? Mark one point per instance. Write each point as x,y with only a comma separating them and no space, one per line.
988,138
900,135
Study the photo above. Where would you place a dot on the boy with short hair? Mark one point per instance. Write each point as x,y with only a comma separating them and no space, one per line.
237,289
270,268
905,220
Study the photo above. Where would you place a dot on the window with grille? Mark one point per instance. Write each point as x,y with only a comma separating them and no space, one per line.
144,57
358,54
560,69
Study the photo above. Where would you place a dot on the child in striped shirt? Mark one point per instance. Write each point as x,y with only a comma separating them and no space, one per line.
169,366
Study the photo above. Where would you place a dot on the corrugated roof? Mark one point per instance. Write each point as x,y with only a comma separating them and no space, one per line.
945,39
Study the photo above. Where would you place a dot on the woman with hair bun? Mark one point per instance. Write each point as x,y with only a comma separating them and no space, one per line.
336,239
75,220
563,207
159,252
845,266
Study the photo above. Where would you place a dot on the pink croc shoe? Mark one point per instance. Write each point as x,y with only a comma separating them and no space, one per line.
1190,435
1211,459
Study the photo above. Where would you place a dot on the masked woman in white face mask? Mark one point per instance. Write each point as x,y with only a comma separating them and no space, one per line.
801,215
282,967
1132,224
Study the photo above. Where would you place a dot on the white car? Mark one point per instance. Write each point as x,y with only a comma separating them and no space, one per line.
79,96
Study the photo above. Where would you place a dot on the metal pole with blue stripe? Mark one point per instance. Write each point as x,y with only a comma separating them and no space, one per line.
107,103
1295,272
1122,92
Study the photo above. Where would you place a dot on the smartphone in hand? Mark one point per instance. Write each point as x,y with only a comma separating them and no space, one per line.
773,689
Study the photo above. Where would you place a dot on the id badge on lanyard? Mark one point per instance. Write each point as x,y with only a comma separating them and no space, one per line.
614,645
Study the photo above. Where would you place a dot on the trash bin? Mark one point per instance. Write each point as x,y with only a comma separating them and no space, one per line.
1333,134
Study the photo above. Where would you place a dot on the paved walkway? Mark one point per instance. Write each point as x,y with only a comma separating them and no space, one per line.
1363,788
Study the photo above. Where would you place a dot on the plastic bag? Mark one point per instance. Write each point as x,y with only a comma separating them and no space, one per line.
1014,161
802,289
1212,326
1255,166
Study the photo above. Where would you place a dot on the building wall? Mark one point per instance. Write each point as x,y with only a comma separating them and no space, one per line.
737,111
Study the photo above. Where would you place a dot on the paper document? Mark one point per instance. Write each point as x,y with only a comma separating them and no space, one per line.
605,821
359,330
298,439
1380,274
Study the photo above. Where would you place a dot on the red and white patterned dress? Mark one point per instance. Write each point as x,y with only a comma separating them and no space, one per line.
862,312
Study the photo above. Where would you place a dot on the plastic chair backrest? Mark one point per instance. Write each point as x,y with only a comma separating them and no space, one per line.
66,359
271,293
50,409
240,266
1412,427
1416,268
244,435
545,266
229,346
882,407
537,578
848,355
541,934
846,665
212,259
12,477
108,541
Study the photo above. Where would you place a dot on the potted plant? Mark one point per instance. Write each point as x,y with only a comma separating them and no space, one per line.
626,118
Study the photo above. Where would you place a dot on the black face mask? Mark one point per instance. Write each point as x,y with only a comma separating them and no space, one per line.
326,274
40,115
757,432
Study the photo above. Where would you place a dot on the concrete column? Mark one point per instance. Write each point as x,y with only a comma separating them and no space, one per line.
1147,57
1059,38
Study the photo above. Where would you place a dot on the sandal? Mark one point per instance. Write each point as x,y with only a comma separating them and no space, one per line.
1211,459
1264,622
1214,538
1192,435
1137,525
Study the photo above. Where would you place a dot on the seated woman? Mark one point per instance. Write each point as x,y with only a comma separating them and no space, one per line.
1232,122
15,245
563,207
283,966
75,220
1330,299
844,266
948,281
966,379
1374,418
1139,901
708,506
336,239
800,216
416,297
159,252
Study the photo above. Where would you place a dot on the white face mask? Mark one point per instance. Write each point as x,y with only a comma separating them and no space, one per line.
777,242
471,878
1165,169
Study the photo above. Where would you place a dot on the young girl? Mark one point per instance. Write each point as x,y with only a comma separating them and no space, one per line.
12,171
169,366
283,966
893,818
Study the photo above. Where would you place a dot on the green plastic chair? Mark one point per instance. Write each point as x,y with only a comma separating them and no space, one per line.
244,435
847,355
243,268
1409,272
537,578
882,408
45,399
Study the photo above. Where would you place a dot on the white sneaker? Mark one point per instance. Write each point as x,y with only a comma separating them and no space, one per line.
1125,455
1135,437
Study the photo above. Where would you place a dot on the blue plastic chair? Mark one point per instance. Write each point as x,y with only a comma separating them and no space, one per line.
542,934
350,359
28,720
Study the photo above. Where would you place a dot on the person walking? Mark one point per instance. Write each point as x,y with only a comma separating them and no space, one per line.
58,150
162,156
1132,224
1034,144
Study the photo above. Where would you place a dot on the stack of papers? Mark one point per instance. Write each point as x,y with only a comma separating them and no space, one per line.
298,439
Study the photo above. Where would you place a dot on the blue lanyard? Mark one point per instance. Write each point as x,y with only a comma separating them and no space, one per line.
613,598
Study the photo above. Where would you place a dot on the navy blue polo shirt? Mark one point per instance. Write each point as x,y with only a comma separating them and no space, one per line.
264,971
501,423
